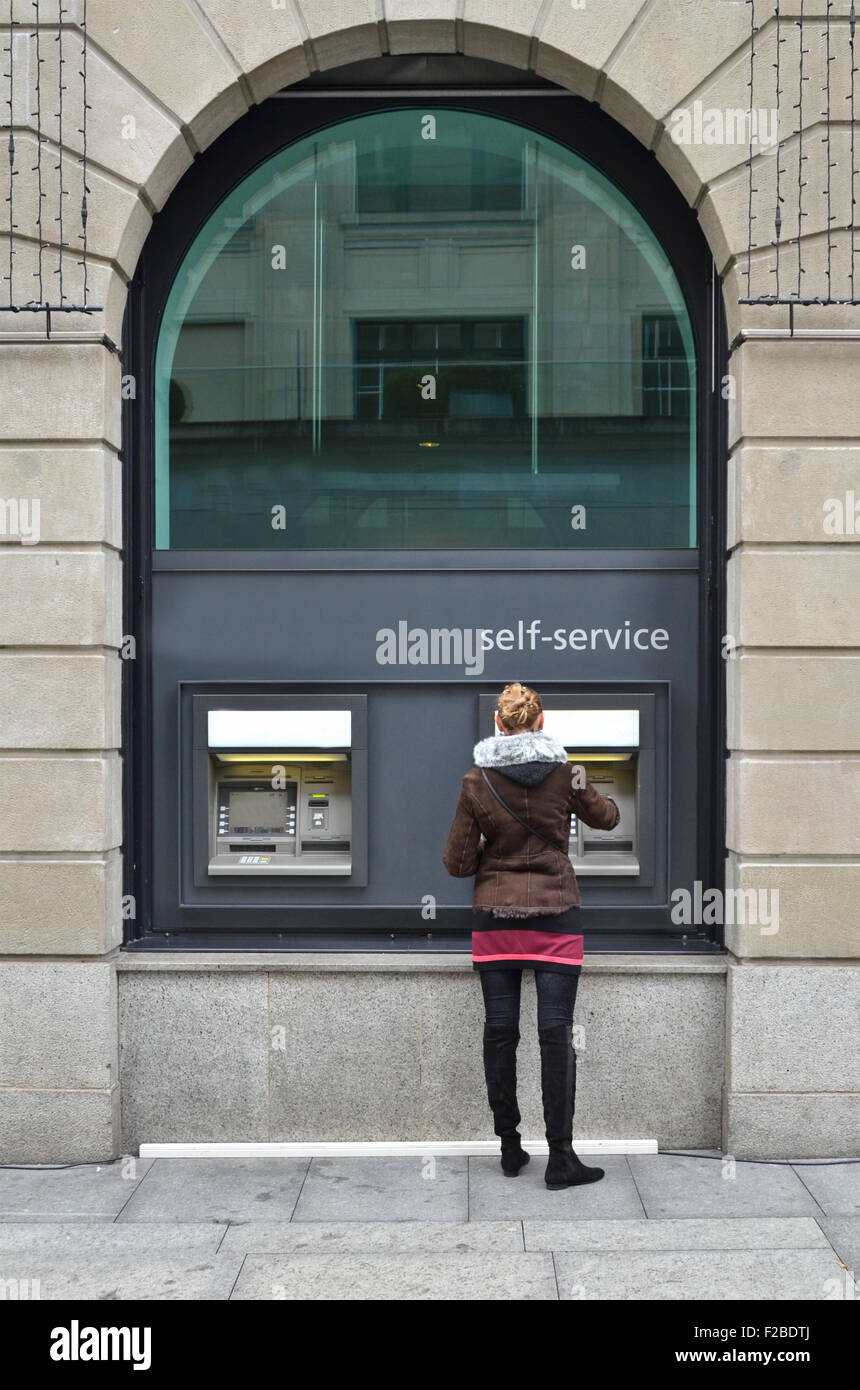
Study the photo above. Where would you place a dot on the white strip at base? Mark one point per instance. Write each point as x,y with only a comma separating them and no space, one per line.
385,1148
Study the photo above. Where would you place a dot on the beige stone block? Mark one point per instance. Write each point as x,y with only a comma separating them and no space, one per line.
60,803
127,133
790,493
794,598
793,702
266,42
574,45
342,31
759,271
693,163
819,320
682,162
641,85
169,49
500,29
796,388
59,391
117,219
421,26
784,805
103,289
51,701
61,906
78,491
60,598
724,213
711,125
216,117
814,903
812,318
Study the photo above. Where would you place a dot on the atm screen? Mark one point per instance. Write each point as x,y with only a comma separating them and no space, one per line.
257,811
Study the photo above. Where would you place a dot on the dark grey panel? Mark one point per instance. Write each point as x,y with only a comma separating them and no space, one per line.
317,632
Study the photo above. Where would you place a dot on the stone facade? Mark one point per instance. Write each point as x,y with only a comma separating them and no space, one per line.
165,80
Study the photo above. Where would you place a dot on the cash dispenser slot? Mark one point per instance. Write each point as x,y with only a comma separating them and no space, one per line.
280,792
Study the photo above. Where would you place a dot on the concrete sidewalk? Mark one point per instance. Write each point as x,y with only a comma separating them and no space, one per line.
439,1228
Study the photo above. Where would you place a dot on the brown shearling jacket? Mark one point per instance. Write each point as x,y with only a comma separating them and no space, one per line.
514,869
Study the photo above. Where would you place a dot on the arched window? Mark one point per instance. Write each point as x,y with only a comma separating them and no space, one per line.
425,331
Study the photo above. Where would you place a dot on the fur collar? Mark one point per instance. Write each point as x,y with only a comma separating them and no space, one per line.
510,750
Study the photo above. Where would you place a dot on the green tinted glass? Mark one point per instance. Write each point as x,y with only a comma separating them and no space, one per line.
422,330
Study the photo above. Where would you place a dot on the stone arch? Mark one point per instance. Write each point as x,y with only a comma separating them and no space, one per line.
218,60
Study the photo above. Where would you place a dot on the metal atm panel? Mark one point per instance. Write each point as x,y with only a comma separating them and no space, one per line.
612,737
282,791
605,743
277,786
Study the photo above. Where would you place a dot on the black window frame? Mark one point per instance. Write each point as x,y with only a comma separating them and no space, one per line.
281,120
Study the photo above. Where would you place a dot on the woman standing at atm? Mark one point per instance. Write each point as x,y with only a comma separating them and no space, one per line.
511,829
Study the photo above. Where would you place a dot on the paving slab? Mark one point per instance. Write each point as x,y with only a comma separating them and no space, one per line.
710,1275
835,1188
96,1192
96,1239
126,1276
218,1189
734,1233
401,1277
685,1187
358,1237
385,1189
493,1197
843,1232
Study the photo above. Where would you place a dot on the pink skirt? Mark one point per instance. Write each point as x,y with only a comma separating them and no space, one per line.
539,943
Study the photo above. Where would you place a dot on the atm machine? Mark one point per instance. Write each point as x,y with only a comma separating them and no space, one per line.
275,787
605,742
612,737
279,791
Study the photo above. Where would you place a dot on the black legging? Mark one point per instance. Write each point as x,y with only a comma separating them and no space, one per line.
556,996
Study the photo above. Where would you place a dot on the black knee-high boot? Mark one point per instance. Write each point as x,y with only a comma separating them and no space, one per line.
500,1070
558,1085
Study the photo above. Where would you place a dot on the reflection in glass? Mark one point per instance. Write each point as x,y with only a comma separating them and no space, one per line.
386,341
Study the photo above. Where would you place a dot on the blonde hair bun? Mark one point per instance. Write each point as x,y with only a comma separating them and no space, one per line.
518,707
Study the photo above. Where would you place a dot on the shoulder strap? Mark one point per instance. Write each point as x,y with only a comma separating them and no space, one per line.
552,844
